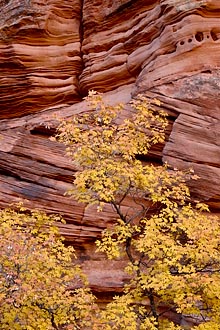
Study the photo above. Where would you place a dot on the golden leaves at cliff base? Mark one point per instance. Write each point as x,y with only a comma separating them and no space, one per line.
40,288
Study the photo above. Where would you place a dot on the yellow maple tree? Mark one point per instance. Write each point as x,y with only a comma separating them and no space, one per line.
172,245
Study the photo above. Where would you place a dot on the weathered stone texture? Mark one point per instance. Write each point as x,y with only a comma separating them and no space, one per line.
39,54
52,52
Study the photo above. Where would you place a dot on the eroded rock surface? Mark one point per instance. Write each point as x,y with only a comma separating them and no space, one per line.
40,58
53,52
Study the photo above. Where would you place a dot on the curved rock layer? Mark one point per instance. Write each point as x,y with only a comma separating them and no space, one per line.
52,52
40,57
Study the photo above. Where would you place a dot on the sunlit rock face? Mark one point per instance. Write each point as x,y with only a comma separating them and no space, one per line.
52,52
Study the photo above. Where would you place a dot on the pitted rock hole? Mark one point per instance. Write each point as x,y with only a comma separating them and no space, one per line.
199,36
214,35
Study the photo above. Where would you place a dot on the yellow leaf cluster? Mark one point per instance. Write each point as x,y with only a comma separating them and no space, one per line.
98,140
39,284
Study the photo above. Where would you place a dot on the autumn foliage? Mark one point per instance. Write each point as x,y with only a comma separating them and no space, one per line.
171,243
40,288
172,246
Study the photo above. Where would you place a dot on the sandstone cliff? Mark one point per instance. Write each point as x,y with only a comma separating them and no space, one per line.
52,52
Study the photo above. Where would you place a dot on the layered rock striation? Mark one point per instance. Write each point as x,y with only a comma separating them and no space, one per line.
52,52
40,57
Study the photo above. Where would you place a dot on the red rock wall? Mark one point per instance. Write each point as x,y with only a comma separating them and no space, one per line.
52,52
40,58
